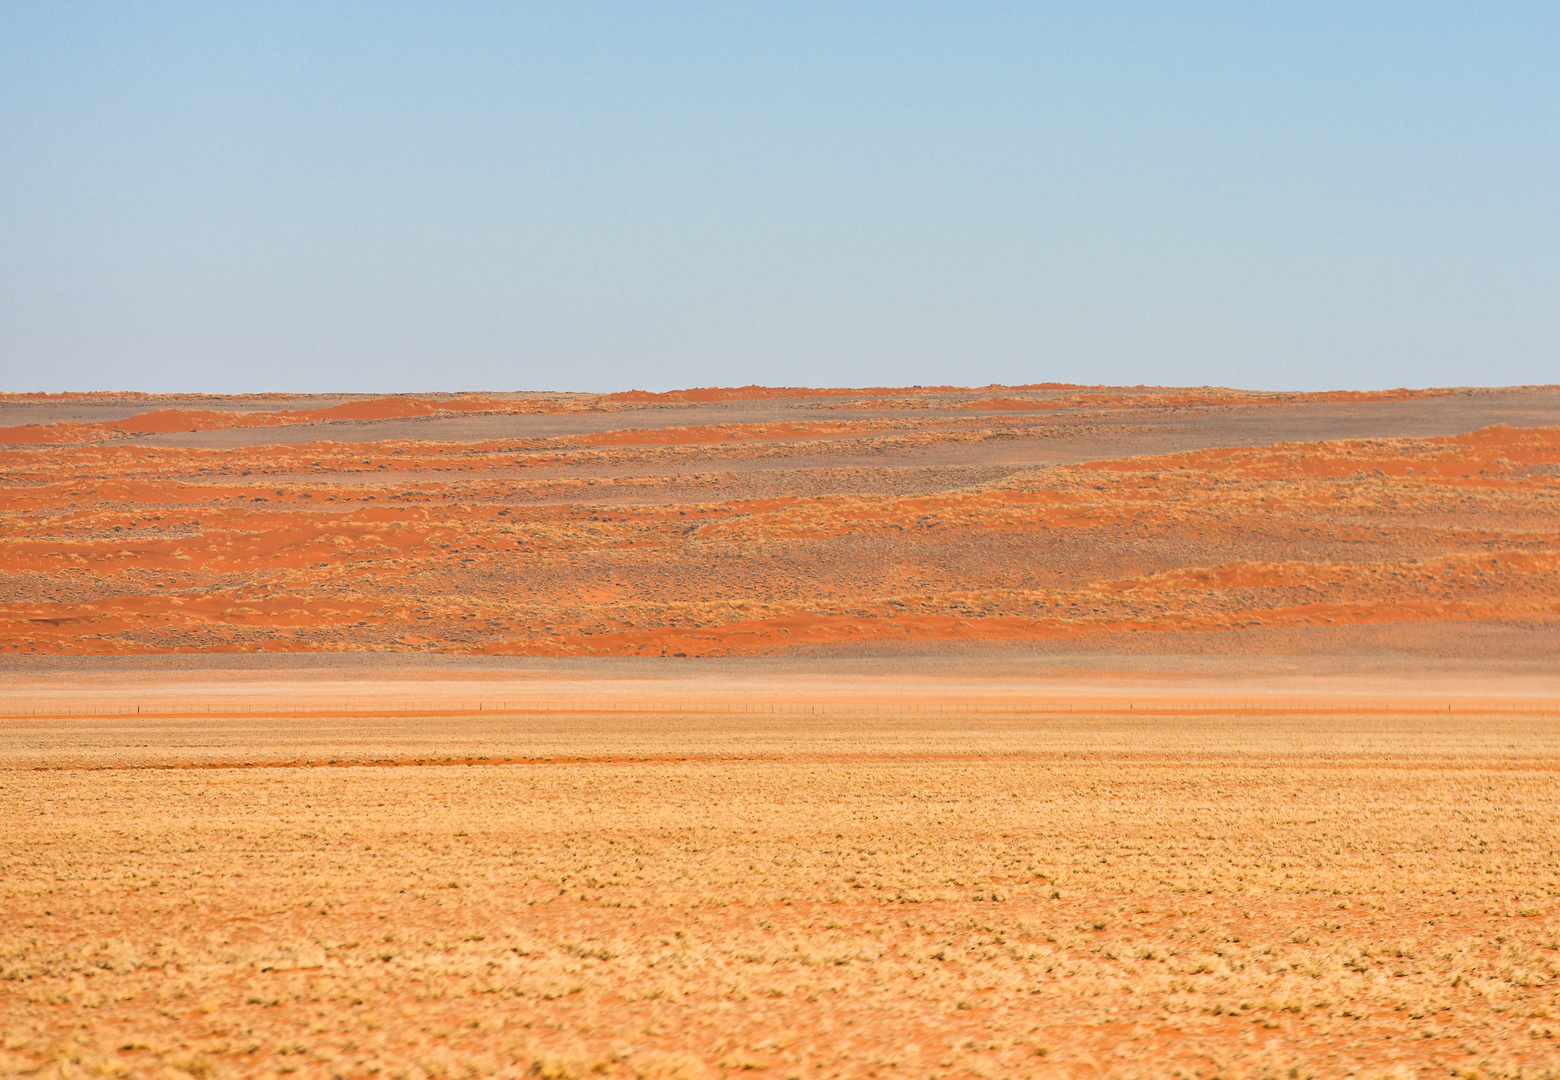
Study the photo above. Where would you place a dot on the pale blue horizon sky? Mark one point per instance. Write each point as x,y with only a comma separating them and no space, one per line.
334,197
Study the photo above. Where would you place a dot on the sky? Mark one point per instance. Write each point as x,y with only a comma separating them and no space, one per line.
394,197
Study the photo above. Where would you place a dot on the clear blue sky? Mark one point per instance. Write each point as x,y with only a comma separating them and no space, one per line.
387,197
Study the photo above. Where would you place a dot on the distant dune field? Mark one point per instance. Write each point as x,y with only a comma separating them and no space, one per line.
756,522
1036,731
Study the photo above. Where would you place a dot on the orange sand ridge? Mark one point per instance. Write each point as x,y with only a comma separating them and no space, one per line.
162,421
1038,396
661,540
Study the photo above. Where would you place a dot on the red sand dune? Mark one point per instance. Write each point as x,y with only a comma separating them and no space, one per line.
1000,398
489,548
162,421
707,394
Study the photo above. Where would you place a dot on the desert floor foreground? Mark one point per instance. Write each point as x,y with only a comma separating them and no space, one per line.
975,865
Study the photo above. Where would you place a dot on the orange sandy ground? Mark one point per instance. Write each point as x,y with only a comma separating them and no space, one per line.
642,541
933,871
951,864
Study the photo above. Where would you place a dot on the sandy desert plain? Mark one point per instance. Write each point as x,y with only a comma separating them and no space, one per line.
1045,731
